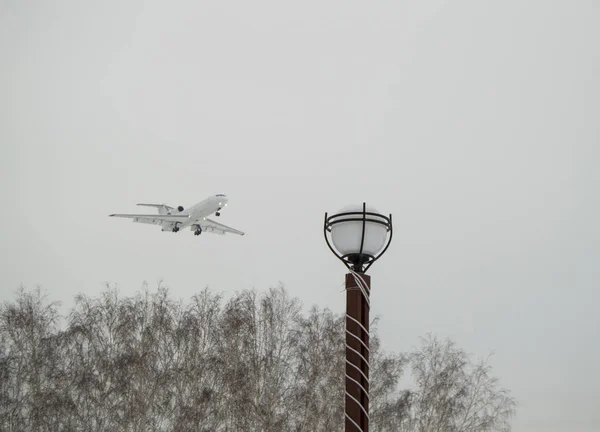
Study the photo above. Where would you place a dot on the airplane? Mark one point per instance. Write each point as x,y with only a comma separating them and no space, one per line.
196,217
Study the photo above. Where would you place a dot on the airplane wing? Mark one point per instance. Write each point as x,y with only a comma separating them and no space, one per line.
209,225
153,219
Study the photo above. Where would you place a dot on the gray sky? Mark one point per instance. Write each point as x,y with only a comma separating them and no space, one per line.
475,123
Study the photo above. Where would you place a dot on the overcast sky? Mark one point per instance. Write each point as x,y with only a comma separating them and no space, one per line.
476,124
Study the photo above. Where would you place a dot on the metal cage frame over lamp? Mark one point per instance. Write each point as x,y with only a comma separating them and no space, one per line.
355,261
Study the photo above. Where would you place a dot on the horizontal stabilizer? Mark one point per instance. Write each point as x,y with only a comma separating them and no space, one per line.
155,205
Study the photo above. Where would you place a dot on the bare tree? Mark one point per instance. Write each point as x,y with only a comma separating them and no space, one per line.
256,362
29,366
257,344
454,395
319,389
389,407
195,394
145,362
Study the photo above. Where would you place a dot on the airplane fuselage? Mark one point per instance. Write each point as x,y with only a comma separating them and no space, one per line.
199,211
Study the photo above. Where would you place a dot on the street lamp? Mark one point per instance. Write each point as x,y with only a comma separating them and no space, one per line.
358,236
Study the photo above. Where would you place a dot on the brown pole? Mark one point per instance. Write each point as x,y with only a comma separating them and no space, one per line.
357,308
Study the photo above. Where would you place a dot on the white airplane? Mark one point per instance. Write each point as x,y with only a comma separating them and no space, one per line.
195,217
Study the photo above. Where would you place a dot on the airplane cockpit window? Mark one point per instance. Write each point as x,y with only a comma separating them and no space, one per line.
220,195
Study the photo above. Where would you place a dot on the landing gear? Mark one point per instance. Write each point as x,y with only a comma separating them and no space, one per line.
175,228
217,214
198,232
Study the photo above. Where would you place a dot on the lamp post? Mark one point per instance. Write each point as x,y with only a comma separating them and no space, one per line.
358,236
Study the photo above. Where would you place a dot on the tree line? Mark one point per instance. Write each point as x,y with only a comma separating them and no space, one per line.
254,362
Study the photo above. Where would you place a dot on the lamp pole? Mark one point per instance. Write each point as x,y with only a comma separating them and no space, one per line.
359,236
357,353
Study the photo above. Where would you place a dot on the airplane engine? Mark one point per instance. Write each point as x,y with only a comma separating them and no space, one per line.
180,208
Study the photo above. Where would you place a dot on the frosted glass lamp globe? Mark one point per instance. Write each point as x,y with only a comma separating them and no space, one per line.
347,235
